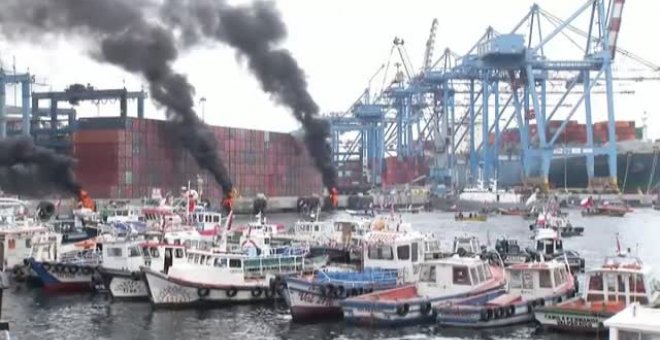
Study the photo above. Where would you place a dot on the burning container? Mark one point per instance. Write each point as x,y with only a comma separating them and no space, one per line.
127,157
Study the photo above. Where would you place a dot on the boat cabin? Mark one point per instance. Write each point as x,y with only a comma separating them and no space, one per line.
221,268
16,232
635,323
190,239
453,273
538,279
122,213
130,256
548,242
394,250
469,244
623,279
205,220
161,218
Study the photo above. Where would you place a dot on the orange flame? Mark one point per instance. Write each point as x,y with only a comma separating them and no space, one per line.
85,201
228,201
334,197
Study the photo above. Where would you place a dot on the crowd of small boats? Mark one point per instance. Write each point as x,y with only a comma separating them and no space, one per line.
367,270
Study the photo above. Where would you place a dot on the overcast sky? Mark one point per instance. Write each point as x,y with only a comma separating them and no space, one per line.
340,44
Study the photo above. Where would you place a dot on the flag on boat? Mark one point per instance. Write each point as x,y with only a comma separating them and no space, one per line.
531,199
587,202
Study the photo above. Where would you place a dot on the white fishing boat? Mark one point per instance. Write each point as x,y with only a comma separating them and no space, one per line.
528,285
619,282
213,279
550,245
121,262
440,281
389,257
636,322
491,195
17,229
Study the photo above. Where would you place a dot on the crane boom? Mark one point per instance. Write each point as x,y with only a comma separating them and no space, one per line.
430,46
615,25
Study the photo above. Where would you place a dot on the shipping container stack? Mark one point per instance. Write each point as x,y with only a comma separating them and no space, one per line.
404,170
126,158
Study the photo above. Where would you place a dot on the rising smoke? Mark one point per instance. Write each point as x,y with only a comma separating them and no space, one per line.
31,170
255,31
120,33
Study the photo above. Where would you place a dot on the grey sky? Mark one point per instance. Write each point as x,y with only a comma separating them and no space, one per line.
340,44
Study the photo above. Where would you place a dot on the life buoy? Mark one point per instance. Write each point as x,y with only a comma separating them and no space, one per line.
340,292
232,291
86,270
425,308
203,292
256,292
72,269
402,310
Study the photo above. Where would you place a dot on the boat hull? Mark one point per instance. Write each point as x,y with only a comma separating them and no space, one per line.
124,284
165,291
572,320
58,277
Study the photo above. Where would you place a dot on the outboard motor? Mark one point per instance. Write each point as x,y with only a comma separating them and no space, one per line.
45,210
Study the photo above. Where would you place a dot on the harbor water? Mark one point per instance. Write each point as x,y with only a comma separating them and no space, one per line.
34,314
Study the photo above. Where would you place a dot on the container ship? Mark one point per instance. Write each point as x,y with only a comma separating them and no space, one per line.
637,160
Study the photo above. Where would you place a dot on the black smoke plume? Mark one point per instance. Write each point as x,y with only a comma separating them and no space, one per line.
120,33
255,31
31,170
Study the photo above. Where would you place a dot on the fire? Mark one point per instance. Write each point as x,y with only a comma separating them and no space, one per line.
334,197
228,201
85,201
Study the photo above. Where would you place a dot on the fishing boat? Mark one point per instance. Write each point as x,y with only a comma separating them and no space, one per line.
511,252
550,245
557,222
121,262
17,229
475,217
620,281
634,322
389,257
213,279
590,208
481,194
528,285
71,271
440,281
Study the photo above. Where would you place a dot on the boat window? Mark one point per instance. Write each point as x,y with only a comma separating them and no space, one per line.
209,261
415,252
114,252
316,227
234,263
544,279
380,252
219,262
216,219
527,279
207,219
595,297
267,241
145,252
638,285
427,274
559,278
539,245
596,282
154,252
549,248
191,258
28,242
134,252
611,282
196,260
403,252
489,275
480,272
621,283
515,279
178,253
473,273
460,275
186,243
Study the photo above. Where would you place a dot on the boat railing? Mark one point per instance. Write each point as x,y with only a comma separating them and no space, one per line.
260,266
369,275
81,257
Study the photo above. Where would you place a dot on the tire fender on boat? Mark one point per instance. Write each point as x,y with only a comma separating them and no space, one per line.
329,289
425,308
402,310
58,268
72,269
136,276
486,314
510,311
256,292
499,312
203,292
354,292
86,270
530,307
340,292
232,291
